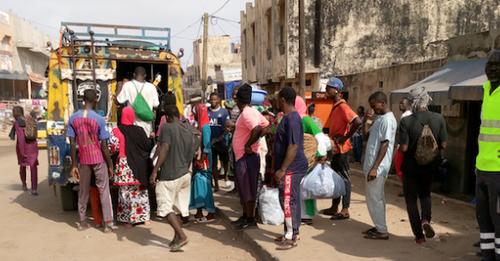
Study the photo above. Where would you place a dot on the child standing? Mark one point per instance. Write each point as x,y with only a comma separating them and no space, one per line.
26,150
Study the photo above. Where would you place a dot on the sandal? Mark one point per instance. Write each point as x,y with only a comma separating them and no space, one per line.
281,239
82,225
371,230
428,230
340,216
203,220
287,245
377,236
177,247
330,212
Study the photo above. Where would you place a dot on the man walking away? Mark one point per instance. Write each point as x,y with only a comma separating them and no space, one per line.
177,149
377,162
488,163
249,128
405,108
87,129
418,170
343,124
218,117
129,94
290,165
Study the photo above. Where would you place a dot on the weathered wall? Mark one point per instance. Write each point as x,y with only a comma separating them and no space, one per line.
362,35
362,85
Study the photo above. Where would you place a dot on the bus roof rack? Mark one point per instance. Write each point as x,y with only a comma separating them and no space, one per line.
115,32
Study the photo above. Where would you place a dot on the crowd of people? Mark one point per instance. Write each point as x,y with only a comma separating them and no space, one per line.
177,168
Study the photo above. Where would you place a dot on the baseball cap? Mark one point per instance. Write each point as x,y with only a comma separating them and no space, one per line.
335,83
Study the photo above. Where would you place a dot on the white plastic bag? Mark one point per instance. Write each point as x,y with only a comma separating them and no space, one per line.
269,206
324,144
152,155
318,183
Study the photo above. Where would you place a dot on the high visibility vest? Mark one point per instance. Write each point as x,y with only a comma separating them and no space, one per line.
488,158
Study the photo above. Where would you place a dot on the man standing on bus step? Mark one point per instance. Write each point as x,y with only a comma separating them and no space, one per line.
87,129
344,122
143,104
488,163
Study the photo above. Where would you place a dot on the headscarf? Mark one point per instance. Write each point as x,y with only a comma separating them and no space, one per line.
420,99
300,106
201,115
137,146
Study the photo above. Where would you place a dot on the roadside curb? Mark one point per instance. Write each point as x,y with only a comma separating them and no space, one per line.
442,198
257,250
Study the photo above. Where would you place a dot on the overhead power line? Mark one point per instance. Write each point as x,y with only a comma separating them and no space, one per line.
220,8
186,28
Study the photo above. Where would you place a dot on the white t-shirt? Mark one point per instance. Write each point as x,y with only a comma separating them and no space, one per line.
406,114
128,94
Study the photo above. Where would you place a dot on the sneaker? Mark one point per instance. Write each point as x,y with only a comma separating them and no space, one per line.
25,188
428,230
34,193
246,225
238,221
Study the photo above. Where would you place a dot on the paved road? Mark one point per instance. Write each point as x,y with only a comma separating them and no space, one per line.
35,228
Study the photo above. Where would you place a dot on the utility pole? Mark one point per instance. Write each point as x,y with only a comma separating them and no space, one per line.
204,66
302,40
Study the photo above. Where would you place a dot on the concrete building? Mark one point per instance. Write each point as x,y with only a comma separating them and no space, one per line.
23,58
348,37
224,63
456,89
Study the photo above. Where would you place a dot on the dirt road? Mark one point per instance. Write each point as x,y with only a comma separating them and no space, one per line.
455,225
35,228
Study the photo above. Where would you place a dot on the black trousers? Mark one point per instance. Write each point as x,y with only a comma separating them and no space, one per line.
340,164
488,213
417,186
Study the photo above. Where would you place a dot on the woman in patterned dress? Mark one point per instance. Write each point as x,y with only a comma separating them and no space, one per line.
132,169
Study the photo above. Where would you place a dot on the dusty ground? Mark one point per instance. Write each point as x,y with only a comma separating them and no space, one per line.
35,228
455,226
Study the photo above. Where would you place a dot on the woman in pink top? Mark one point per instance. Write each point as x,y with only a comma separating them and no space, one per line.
249,128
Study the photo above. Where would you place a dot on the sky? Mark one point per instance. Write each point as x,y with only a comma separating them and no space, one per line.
182,16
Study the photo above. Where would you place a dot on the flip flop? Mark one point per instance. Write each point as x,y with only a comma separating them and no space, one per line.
340,216
287,245
177,247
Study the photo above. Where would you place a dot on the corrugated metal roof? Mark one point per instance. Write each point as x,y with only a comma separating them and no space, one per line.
438,84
